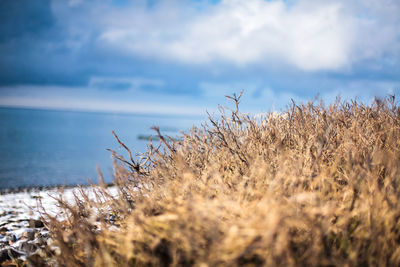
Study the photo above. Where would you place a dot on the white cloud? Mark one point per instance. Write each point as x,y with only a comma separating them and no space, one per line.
310,35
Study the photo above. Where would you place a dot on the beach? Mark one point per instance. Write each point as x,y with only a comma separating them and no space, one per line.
23,231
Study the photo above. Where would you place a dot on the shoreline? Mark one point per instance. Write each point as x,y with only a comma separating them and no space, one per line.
23,231
29,189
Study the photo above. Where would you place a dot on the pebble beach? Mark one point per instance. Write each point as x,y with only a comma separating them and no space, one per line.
23,233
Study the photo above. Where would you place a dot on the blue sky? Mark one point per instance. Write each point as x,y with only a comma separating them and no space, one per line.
182,57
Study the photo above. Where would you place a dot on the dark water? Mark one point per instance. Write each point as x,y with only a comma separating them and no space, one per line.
42,147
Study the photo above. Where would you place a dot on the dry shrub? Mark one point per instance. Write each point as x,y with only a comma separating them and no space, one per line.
315,185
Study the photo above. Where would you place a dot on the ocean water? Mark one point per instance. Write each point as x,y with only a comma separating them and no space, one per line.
47,147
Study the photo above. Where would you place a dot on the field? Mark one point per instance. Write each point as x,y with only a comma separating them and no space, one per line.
314,185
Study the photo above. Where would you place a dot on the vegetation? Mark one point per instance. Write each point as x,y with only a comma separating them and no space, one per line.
314,185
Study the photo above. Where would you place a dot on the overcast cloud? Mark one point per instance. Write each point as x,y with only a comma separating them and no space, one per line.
153,49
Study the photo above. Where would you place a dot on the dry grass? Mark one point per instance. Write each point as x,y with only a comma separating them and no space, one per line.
316,185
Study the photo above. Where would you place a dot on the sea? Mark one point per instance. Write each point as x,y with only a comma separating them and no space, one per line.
52,147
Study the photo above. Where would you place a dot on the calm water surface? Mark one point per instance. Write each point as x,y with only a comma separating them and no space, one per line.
42,147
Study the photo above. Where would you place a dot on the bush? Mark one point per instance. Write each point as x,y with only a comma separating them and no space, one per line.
314,185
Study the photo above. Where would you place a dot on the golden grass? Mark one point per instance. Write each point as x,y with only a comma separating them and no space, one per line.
316,185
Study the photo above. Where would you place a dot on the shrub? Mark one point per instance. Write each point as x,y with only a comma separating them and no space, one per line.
314,185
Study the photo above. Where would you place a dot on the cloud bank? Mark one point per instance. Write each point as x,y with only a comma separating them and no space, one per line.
308,35
196,51
75,40
243,32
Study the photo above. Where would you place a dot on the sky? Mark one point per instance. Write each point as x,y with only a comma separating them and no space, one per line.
183,57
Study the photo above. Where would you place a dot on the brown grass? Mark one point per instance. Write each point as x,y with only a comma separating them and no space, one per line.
315,185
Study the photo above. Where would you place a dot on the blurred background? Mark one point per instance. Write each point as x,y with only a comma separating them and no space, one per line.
73,71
